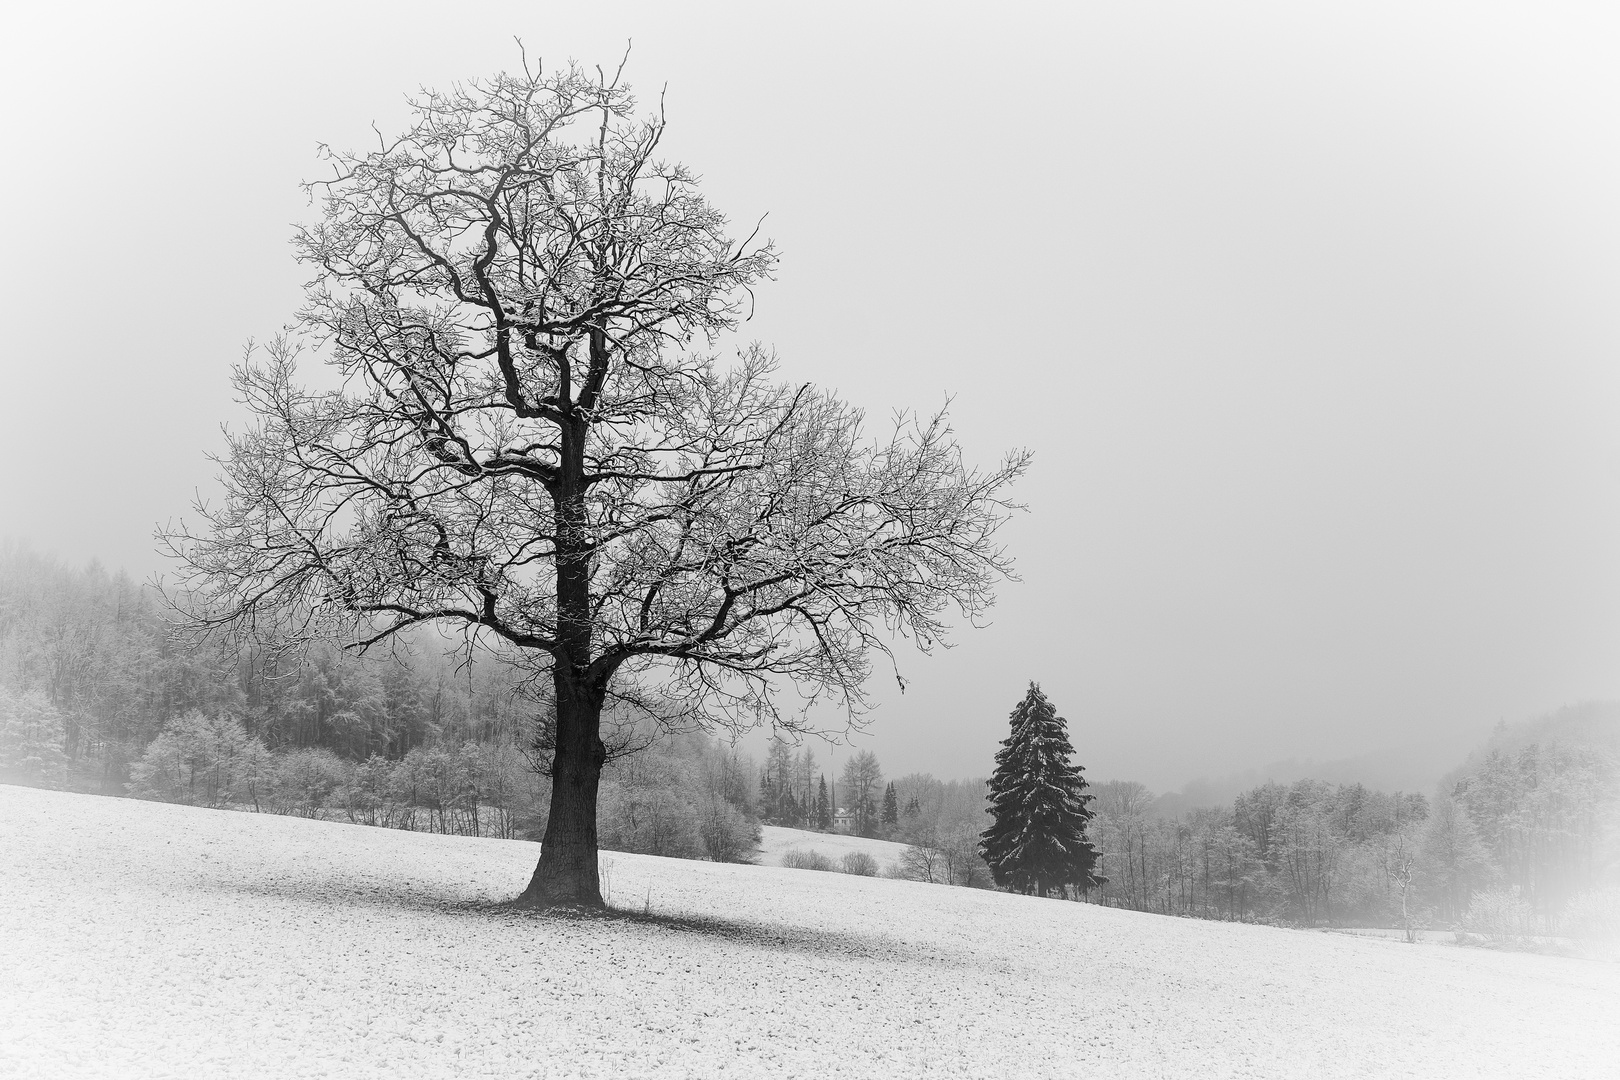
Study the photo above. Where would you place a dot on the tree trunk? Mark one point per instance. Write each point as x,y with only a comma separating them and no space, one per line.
567,871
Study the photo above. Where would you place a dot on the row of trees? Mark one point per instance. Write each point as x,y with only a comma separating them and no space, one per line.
1308,852
1540,827
1542,821
473,789
94,695
95,649
97,695
794,793
91,645
685,796
939,821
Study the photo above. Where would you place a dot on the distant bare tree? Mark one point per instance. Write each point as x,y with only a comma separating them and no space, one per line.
531,439
727,835
862,776
922,860
1121,829
1398,858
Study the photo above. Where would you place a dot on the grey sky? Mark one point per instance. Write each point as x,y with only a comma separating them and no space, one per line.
1308,313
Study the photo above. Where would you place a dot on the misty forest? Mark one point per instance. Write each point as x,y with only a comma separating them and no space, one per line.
510,695
1518,844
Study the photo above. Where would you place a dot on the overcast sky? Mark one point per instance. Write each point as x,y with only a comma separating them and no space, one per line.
1308,312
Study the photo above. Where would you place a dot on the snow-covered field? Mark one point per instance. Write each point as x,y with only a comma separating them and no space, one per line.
145,940
777,841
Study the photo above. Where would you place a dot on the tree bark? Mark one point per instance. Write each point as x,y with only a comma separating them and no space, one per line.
566,875
567,871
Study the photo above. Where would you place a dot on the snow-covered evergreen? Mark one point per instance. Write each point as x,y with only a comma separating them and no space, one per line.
1037,843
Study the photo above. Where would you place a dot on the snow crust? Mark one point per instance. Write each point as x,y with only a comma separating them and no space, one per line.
147,940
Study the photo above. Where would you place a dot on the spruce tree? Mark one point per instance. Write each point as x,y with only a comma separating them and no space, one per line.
1038,800
824,817
891,807
767,799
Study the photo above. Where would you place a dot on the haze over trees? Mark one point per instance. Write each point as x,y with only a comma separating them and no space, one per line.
1524,838
535,442
101,698
96,695
939,822
1517,841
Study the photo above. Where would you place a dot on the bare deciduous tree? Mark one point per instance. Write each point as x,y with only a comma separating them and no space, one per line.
1398,858
533,439
862,775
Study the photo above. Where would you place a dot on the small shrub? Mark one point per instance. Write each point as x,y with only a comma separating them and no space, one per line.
806,860
1593,917
1503,917
860,864
727,834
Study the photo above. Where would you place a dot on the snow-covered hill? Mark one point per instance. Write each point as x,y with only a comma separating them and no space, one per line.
145,940
777,841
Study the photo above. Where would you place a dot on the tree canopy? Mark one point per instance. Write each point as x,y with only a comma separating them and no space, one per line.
534,437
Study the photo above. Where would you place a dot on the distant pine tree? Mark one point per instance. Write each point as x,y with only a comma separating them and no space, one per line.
891,807
824,817
1037,842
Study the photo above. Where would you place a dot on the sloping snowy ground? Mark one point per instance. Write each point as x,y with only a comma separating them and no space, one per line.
139,939
777,841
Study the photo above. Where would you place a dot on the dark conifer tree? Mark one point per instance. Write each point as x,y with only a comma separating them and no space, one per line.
891,807
1038,800
824,818
767,800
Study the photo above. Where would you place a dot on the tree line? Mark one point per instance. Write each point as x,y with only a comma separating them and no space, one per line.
92,651
95,695
1308,852
1522,835
938,821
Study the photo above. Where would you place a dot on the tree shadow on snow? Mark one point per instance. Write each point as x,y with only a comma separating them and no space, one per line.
776,937
343,892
